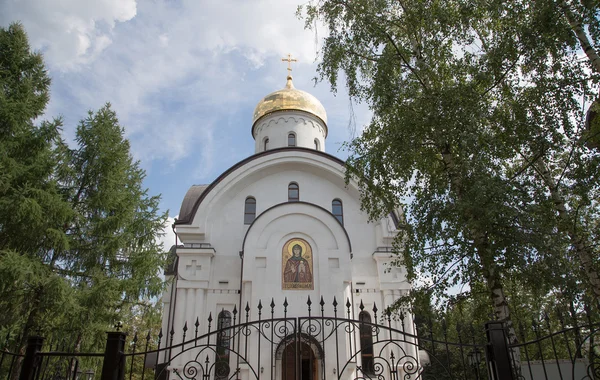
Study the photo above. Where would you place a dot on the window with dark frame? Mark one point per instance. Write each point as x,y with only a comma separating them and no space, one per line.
338,210
317,144
291,139
395,218
366,343
267,143
293,192
249,210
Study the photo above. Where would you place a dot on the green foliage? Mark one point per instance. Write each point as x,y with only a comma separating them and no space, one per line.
31,206
78,231
477,128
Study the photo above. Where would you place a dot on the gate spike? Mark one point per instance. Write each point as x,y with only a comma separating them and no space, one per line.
197,323
160,334
272,304
285,303
334,302
135,338
348,304
234,310
247,308
361,306
185,327
259,305
148,337
210,317
309,302
374,308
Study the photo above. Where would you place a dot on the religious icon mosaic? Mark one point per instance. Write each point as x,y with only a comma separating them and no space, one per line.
297,265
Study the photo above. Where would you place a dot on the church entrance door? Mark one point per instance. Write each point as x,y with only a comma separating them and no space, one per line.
306,360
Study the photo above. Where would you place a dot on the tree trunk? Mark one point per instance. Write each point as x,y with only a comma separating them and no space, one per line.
24,337
487,259
582,37
568,225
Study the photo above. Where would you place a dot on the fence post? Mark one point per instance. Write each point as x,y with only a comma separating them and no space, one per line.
30,362
113,367
498,357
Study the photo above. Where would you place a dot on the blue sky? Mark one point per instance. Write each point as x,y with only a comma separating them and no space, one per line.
184,76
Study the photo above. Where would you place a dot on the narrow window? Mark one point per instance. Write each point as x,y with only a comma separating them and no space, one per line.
293,192
366,343
249,210
291,139
337,210
317,144
223,345
266,143
395,218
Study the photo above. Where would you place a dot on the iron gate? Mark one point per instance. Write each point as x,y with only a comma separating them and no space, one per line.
319,346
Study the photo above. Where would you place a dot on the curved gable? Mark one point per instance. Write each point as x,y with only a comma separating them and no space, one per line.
326,215
199,197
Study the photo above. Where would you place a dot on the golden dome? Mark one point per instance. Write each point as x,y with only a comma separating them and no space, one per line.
289,99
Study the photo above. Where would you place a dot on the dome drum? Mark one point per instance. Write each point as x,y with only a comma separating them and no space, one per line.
289,99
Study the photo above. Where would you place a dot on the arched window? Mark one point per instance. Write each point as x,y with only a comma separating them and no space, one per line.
337,210
266,143
366,342
223,345
293,192
249,210
291,139
317,144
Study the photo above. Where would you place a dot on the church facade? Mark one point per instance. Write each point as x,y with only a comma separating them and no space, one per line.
275,229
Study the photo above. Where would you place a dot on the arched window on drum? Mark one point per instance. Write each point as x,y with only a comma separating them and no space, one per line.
366,343
291,139
223,345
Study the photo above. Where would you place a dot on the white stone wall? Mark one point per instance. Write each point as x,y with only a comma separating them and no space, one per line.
348,261
278,125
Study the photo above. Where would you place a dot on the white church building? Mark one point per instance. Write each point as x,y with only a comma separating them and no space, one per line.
277,228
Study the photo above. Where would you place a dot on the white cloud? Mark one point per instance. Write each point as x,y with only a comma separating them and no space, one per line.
168,238
175,71
69,32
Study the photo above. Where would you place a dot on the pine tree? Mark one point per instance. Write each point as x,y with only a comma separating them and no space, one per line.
32,209
78,231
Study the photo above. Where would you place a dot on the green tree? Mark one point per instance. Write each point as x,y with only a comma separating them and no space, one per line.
472,105
114,256
32,209
78,231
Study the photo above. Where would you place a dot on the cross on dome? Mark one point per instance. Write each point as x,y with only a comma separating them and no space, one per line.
289,60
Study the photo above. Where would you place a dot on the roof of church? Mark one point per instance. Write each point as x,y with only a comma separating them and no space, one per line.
196,193
289,99
187,206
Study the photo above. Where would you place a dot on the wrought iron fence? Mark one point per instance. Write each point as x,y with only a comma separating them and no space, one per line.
9,357
326,343
551,351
